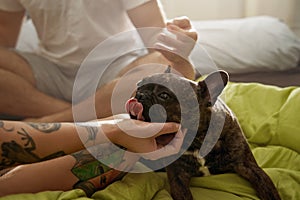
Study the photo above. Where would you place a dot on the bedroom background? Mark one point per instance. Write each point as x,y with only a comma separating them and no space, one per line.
286,10
253,40
272,128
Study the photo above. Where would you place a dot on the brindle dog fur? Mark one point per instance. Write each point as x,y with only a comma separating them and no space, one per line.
230,154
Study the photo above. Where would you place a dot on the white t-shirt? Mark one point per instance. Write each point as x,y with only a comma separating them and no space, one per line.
69,29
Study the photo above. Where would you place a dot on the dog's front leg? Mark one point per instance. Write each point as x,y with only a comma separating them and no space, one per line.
179,181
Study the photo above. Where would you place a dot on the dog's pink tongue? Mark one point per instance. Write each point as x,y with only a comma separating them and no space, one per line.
135,108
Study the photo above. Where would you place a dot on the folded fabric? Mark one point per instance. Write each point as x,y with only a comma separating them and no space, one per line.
269,115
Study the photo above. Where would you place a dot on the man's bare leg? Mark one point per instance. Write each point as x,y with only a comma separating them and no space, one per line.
19,96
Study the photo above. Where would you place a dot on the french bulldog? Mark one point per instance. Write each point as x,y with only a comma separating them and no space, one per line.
209,122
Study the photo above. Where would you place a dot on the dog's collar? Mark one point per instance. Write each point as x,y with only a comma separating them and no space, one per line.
201,160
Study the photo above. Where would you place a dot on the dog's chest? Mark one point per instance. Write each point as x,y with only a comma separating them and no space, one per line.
202,168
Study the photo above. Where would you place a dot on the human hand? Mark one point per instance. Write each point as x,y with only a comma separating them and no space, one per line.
169,149
159,151
142,137
178,49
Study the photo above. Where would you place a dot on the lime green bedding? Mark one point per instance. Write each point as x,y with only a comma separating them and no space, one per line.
270,118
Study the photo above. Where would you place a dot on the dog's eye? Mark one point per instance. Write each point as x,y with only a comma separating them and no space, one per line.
164,96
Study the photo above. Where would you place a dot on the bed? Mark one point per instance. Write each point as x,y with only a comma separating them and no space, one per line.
264,95
269,116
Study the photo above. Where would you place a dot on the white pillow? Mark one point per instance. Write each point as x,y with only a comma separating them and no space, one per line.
245,45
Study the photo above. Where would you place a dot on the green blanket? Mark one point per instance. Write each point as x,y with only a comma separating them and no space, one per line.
270,118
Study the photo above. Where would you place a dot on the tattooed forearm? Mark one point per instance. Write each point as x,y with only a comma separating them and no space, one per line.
82,157
92,174
88,187
45,127
92,133
14,153
2,126
30,144
91,130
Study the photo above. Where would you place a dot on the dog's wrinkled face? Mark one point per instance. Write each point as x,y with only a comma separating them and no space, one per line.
157,100
163,98
159,103
168,97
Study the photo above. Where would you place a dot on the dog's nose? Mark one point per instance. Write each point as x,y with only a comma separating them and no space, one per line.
140,96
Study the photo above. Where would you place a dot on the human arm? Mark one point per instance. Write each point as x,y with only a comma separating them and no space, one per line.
10,25
62,173
177,50
150,21
33,142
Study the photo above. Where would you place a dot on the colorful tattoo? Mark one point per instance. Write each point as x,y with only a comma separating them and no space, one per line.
87,166
99,182
45,127
94,175
82,157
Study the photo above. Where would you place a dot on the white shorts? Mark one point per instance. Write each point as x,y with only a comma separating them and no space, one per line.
58,81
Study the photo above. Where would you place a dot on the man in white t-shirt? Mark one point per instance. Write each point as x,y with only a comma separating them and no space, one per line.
39,84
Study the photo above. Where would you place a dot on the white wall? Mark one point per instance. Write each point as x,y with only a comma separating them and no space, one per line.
296,25
287,10
203,9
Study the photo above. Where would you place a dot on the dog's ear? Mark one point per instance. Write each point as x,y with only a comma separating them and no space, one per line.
212,86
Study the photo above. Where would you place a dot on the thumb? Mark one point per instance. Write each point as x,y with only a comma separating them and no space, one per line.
168,127
170,149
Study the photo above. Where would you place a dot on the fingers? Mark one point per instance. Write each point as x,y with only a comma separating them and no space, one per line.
141,129
172,148
177,44
182,34
182,22
172,48
167,128
182,25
